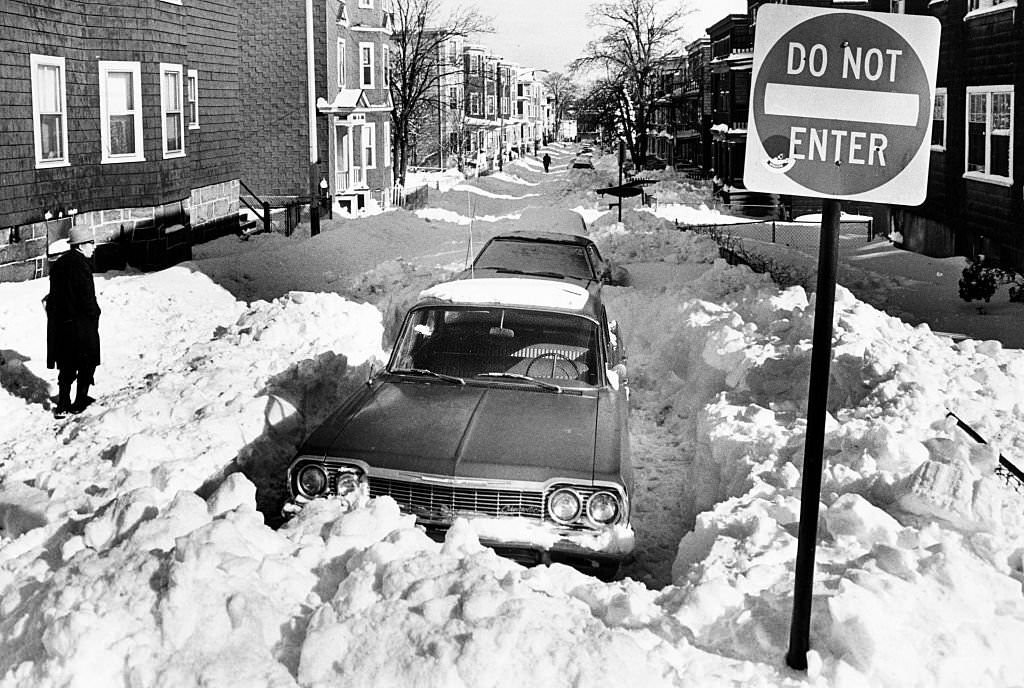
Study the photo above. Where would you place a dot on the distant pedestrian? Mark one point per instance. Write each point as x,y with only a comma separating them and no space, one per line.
547,162
72,322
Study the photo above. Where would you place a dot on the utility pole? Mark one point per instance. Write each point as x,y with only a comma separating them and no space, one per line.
314,175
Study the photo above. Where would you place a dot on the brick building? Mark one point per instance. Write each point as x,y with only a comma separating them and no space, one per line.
355,101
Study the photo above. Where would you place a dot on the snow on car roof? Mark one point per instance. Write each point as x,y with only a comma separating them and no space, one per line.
511,291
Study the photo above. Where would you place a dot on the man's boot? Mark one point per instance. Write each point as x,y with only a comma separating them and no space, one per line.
63,407
82,398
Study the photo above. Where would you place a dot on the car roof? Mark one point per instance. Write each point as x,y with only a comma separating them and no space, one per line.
523,292
540,235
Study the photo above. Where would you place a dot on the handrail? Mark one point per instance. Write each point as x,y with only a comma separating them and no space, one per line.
265,214
1006,468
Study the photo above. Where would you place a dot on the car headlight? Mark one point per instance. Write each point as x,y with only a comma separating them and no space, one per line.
311,481
564,505
603,507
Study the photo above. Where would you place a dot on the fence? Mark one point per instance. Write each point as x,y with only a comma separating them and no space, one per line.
399,197
753,243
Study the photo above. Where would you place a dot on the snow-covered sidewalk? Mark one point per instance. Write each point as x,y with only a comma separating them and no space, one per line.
132,551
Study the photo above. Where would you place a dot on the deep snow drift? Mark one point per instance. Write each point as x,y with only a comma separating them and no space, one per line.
132,552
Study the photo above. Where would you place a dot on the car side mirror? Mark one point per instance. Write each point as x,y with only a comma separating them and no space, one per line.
371,373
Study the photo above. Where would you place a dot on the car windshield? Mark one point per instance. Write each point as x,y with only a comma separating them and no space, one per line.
536,257
473,343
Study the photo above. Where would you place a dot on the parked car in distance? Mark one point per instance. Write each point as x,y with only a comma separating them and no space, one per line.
552,244
504,402
582,162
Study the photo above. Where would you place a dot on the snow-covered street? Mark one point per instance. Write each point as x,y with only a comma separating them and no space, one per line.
138,544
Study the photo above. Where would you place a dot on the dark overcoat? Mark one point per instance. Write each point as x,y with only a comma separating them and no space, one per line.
72,314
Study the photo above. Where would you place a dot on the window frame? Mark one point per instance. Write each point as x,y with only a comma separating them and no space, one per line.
474,103
369,143
388,153
192,89
365,68
167,68
340,56
987,176
35,62
385,66
941,92
105,68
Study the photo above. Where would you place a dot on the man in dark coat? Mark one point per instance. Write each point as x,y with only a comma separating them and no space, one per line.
72,322
547,161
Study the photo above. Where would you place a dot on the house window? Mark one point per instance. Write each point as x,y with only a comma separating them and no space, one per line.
980,6
342,16
490,106
385,58
939,120
366,65
474,64
49,111
990,132
172,113
121,111
387,144
367,4
193,99
341,63
453,52
453,98
896,6
370,145
474,103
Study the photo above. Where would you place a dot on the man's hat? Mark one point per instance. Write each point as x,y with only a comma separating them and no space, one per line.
80,235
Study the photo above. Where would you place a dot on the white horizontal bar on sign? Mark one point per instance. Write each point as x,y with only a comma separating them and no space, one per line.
844,104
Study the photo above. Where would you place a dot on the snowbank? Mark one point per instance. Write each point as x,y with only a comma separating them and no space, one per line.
132,551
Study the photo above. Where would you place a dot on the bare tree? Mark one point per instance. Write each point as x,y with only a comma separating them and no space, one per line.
639,38
565,92
418,66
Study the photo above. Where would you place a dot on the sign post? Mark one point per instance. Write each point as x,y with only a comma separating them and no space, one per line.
840,108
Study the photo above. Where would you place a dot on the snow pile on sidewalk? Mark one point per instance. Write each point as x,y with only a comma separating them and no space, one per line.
131,550
921,543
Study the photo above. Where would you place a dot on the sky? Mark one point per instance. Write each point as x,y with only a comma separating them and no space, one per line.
132,551
548,34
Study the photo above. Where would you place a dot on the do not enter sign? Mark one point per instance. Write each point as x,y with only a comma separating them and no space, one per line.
841,104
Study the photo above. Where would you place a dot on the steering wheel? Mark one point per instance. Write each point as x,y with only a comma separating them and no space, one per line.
556,364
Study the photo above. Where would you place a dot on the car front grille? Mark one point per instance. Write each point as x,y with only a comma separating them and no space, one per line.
444,503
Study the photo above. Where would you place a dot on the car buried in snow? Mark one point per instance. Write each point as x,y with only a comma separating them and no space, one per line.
504,402
552,245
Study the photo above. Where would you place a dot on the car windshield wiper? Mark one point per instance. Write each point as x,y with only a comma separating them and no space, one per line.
430,373
526,378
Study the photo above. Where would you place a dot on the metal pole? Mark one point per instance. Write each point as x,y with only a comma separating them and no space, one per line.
814,441
622,161
314,175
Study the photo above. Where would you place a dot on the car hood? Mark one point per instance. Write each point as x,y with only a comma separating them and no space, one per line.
503,432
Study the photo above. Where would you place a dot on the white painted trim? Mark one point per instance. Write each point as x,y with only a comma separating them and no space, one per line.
193,78
105,68
165,69
941,91
373,66
369,135
35,62
988,91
